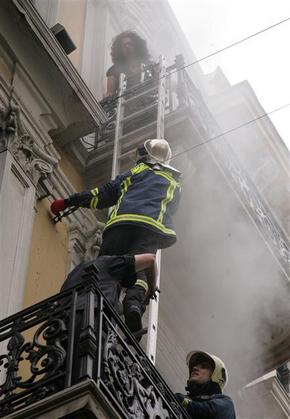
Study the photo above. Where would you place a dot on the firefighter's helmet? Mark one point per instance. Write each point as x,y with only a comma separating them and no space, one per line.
156,151
219,375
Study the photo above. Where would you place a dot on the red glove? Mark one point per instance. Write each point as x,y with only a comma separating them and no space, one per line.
57,206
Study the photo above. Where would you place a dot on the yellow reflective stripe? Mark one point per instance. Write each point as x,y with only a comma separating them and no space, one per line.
170,192
167,176
140,218
142,284
140,168
94,202
125,184
166,200
95,192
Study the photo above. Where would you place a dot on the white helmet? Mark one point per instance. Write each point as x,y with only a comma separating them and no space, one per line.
158,150
219,375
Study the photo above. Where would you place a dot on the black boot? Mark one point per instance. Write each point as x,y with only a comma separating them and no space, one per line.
133,318
134,308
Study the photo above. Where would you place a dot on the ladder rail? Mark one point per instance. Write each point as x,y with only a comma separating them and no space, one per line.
118,127
117,156
161,98
153,317
154,304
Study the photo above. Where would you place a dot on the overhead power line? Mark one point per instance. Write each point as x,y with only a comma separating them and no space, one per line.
230,131
237,43
137,88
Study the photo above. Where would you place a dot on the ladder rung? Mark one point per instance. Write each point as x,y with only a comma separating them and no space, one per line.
142,111
126,154
109,143
140,94
136,131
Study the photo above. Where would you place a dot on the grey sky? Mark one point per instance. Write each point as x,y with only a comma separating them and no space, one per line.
263,60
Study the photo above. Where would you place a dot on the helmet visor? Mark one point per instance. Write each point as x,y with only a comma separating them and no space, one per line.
201,358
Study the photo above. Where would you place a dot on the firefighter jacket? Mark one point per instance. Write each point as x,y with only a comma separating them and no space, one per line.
147,195
213,405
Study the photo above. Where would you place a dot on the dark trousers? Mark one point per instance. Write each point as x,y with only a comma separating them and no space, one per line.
133,240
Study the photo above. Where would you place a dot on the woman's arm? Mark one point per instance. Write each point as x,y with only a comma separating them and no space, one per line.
111,86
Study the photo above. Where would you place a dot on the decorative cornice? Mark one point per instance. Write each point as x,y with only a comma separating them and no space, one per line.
60,59
280,395
35,162
264,389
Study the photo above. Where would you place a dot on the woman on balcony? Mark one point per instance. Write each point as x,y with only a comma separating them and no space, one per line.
130,55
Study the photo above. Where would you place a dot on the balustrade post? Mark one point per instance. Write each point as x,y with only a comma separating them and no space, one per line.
87,344
181,88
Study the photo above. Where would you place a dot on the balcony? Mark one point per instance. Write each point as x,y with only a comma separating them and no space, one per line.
60,358
183,111
267,397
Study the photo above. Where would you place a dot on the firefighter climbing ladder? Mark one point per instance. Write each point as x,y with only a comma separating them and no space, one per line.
123,100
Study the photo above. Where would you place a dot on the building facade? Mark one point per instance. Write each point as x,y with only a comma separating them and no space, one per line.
225,284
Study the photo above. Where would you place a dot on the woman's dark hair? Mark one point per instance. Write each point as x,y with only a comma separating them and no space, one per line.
139,44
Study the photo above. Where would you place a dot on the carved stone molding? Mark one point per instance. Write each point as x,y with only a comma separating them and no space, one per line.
84,242
94,241
35,162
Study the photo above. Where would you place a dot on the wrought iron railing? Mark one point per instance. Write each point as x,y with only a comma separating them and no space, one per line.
188,95
73,336
141,101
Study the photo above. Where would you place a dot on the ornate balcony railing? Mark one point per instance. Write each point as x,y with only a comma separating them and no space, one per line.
74,336
141,102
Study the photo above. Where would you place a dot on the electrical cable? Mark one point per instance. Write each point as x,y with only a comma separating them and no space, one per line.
137,88
230,130
235,43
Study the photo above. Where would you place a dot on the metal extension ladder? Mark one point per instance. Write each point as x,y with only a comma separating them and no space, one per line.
118,155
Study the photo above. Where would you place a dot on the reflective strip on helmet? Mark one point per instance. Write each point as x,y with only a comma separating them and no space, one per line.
142,219
142,284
